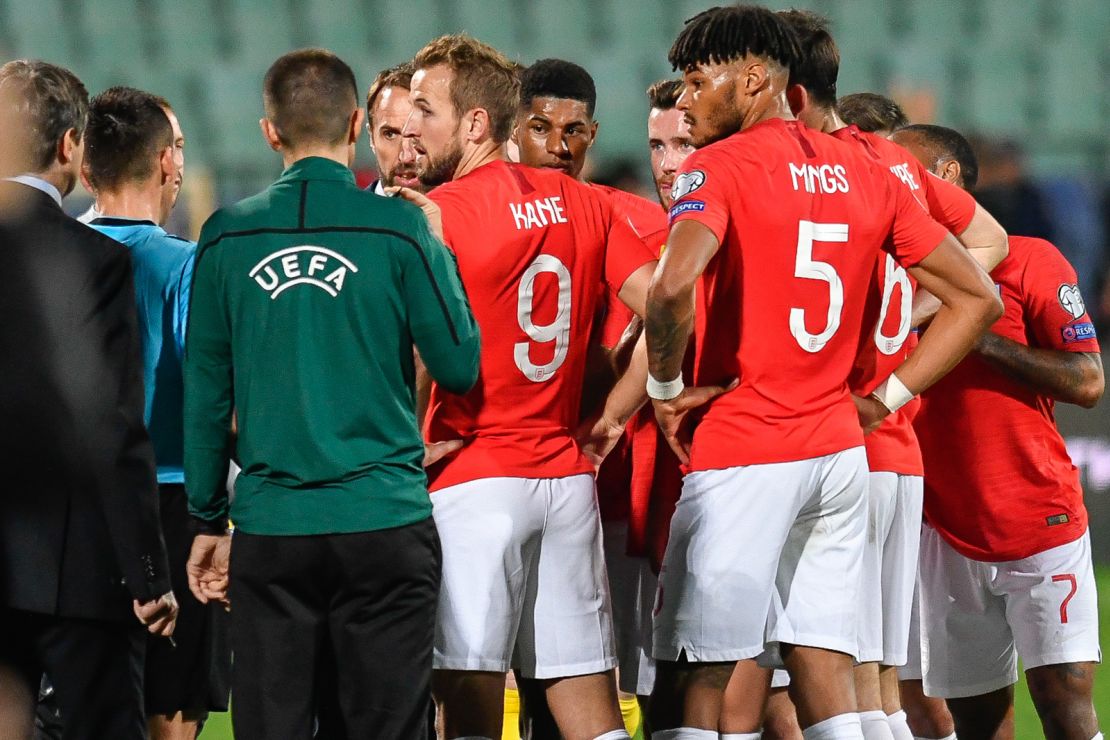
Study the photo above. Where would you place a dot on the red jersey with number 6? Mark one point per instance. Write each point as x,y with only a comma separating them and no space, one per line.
800,218
893,446
532,247
999,484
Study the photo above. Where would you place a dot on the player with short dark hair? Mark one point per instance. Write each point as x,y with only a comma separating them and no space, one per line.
1006,566
387,109
524,580
871,112
766,544
134,159
895,490
556,126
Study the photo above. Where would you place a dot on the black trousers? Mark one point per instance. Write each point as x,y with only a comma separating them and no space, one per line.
96,668
338,627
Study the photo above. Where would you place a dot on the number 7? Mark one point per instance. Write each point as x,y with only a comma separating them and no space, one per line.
1069,577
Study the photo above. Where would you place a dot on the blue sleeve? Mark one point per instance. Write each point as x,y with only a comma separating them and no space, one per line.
181,310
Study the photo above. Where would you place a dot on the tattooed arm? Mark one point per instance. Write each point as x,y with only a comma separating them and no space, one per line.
670,321
1070,377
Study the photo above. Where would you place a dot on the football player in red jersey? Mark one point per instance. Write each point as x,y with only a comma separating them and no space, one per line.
555,129
1006,557
766,545
524,580
927,717
895,484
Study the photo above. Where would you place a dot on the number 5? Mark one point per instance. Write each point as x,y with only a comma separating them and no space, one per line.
808,268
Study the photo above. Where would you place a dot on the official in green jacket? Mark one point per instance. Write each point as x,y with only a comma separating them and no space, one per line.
307,301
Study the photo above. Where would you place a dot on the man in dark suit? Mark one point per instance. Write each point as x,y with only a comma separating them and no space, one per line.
81,550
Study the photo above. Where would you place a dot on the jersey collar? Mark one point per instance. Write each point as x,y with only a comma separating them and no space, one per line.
317,168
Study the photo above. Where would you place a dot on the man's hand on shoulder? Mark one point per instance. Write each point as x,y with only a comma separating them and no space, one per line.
207,568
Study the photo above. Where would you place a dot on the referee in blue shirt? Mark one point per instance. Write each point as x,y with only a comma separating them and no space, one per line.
134,160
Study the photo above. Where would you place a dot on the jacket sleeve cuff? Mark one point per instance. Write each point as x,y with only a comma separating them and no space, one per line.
217,526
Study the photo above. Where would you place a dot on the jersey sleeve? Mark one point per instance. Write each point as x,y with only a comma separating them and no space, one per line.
951,207
1055,313
442,325
625,252
702,193
913,233
209,396
181,308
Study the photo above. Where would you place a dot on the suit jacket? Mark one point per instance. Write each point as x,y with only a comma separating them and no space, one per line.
79,524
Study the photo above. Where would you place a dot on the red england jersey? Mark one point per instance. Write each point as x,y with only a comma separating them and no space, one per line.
800,218
893,446
999,484
532,246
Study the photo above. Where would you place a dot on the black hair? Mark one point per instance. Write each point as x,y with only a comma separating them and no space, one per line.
946,143
39,103
309,96
819,63
725,34
664,94
127,131
557,78
871,112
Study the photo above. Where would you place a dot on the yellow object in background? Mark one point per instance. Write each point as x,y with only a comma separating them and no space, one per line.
510,730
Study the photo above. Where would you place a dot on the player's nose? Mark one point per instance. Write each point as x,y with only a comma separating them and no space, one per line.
411,127
684,100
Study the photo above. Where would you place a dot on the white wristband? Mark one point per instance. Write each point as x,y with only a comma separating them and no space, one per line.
892,393
661,391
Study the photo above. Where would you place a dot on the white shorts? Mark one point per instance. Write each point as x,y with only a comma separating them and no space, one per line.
764,554
911,669
889,566
632,585
977,618
524,581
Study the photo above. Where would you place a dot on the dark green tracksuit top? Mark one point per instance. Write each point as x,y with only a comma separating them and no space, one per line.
307,301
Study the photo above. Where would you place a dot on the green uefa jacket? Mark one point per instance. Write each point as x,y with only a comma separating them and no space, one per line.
307,301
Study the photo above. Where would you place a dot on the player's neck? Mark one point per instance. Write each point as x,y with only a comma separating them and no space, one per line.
339,154
479,155
136,203
831,121
767,109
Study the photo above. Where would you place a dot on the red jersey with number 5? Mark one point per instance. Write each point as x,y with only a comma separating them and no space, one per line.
893,446
532,247
800,218
999,483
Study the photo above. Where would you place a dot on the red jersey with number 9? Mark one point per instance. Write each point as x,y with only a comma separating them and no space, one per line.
532,247
887,340
800,218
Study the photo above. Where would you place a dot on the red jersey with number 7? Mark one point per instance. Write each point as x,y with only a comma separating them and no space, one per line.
532,247
886,343
800,218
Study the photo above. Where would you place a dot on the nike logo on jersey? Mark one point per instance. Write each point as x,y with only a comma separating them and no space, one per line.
537,214
305,265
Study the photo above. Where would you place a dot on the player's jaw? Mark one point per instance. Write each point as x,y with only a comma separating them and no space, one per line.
436,168
708,104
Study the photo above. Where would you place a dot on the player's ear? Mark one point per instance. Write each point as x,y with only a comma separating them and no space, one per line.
951,171
593,132
755,76
166,165
478,126
85,179
355,129
270,133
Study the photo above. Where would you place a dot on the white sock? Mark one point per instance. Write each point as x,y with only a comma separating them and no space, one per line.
684,733
840,727
899,726
614,735
741,735
1097,737
875,725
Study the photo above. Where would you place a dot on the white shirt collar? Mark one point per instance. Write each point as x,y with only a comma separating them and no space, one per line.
38,184
378,188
